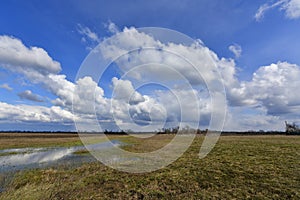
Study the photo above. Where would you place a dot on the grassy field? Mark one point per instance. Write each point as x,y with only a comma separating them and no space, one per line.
239,167
22,140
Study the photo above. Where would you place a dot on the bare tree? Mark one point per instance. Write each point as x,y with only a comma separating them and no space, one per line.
291,128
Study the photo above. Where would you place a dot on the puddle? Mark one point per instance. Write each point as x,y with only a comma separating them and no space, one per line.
30,158
20,150
34,157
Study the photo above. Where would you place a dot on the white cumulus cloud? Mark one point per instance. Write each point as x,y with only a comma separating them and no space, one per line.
271,93
27,94
16,56
29,113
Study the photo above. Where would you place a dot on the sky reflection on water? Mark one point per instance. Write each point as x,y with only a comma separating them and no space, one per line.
23,158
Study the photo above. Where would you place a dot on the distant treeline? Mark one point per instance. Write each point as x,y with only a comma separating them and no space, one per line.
204,132
174,130
177,130
58,132
258,133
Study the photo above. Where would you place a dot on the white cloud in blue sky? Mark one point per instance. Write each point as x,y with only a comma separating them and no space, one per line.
261,85
14,54
290,7
236,50
6,86
111,27
27,94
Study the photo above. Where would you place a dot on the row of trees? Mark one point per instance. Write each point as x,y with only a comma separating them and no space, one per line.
185,130
292,129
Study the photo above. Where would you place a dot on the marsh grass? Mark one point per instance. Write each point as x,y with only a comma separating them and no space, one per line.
8,153
82,152
239,167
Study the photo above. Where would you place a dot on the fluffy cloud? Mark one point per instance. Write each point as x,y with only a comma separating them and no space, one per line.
112,27
187,105
27,94
244,119
273,88
123,90
85,90
6,86
17,57
267,100
39,68
89,98
271,94
26,113
172,64
134,111
194,62
87,33
276,87
291,8
236,50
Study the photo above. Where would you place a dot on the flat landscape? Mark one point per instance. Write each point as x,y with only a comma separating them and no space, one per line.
239,167
149,99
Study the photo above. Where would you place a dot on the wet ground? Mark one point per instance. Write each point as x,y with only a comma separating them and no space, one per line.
15,160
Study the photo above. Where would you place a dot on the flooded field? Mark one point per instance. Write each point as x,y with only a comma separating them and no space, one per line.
14,160
24,158
239,167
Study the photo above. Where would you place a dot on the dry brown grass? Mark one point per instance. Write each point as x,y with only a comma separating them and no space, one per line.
19,140
239,167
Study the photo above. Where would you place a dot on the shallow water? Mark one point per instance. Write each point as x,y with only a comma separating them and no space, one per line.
37,157
31,158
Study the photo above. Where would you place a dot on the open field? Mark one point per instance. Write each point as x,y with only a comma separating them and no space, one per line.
23,140
240,167
20,140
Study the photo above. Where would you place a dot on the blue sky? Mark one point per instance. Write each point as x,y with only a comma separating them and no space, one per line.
265,31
